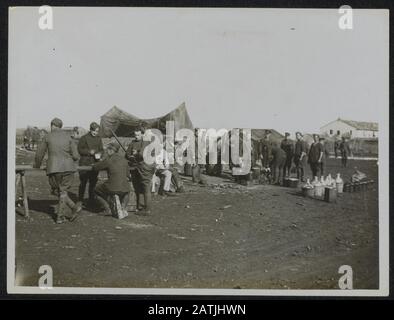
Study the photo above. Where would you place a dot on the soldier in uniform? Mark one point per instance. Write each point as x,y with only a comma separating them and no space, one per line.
326,155
336,148
141,172
265,149
117,183
315,156
300,151
277,163
61,166
288,147
90,147
345,151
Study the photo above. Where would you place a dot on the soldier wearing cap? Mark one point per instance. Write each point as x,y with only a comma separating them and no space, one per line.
326,154
345,151
300,151
315,156
117,182
265,149
277,163
61,166
288,146
90,147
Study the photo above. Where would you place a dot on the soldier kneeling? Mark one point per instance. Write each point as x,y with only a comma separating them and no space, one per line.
117,183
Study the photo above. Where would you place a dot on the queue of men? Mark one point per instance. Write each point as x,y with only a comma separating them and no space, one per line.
289,155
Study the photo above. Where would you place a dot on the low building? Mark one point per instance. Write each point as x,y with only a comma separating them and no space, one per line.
350,128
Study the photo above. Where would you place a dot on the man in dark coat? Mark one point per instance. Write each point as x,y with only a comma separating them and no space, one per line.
336,148
265,149
278,160
315,156
300,152
90,147
326,155
287,146
117,182
141,172
345,151
61,166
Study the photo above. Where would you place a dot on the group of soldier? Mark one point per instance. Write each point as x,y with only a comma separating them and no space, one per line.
64,155
31,137
281,158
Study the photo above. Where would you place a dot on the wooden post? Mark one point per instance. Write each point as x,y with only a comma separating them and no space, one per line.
24,193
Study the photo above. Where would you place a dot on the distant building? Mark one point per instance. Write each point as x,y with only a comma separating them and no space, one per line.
350,128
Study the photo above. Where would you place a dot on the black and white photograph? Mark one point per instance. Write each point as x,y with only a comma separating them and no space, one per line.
231,151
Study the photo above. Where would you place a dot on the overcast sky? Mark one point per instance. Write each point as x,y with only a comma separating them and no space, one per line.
254,68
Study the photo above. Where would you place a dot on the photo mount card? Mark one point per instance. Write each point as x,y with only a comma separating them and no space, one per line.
198,151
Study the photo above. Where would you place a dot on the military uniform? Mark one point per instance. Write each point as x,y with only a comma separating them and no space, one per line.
336,148
287,146
300,148
278,160
265,151
325,156
315,151
61,165
345,152
117,182
85,145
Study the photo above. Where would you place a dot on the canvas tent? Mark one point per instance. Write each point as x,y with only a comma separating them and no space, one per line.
124,124
259,134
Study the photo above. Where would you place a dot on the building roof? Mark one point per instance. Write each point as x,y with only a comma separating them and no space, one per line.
359,125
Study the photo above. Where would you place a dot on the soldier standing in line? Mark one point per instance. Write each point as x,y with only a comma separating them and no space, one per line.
278,160
315,156
326,155
345,151
265,149
336,148
300,151
61,167
288,147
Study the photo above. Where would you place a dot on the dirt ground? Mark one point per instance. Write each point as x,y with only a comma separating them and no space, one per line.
217,236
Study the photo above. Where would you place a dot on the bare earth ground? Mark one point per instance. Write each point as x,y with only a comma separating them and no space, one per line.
261,237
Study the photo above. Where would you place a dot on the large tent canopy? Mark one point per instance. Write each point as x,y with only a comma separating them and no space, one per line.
123,124
259,134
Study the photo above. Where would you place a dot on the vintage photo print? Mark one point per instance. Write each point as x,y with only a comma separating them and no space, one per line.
198,151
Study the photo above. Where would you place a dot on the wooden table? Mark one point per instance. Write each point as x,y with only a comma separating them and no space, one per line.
20,178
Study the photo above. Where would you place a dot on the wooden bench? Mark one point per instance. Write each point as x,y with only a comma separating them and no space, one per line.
20,171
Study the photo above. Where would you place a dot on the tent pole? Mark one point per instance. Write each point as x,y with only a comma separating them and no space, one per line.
117,140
